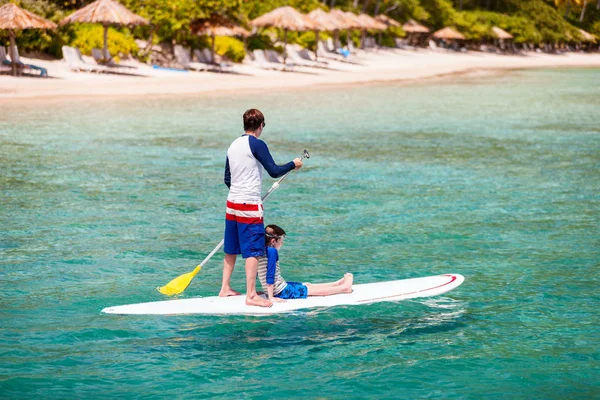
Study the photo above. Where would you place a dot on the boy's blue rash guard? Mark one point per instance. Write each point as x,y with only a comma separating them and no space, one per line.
260,151
272,257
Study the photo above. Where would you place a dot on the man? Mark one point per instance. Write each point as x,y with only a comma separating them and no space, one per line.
244,225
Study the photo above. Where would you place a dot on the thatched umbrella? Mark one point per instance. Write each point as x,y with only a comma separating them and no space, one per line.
286,18
344,21
501,33
372,23
13,18
218,25
323,22
356,23
587,37
449,34
412,26
105,12
369,23
389,22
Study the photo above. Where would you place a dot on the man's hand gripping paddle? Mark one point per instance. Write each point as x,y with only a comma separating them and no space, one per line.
179,284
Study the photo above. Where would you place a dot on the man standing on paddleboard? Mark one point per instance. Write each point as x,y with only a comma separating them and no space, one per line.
244,224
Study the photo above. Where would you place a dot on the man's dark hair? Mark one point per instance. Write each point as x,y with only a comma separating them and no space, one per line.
253,119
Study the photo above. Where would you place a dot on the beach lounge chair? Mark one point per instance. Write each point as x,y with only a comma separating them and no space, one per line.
182,56
261,60
206,59
100,60
76,62
351,47
370,43
307,55
336,48
20,65
297,59
3,67
322,52
276,58
219,60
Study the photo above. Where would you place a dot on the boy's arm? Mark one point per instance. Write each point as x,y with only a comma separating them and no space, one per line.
271,296
262,154
270,291
272,258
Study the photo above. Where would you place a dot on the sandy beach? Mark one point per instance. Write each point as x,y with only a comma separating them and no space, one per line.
370,66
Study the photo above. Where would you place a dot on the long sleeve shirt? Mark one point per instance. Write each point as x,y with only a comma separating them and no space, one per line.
246,158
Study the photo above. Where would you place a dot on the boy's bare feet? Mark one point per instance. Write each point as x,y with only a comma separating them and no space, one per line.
258,301
228,292
341,281
347,285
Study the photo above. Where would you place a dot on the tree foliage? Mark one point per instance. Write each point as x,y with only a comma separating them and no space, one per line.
529,21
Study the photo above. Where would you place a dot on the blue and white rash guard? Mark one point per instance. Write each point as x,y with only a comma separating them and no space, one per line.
243,169
269,273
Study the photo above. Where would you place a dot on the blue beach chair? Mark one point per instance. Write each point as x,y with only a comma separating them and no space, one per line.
22,66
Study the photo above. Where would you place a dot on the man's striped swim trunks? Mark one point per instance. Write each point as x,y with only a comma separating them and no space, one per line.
244,230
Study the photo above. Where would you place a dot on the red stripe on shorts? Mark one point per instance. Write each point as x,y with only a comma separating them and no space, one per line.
243,207
244,220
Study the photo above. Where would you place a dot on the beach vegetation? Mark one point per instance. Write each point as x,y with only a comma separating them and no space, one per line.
230,47
595,29
539,22
85,37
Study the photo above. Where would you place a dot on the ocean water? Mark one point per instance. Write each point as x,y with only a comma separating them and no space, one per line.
494,177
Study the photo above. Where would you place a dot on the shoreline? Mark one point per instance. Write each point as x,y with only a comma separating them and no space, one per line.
380,67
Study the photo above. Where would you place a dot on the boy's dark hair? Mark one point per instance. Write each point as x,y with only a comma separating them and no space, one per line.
273,232
253,119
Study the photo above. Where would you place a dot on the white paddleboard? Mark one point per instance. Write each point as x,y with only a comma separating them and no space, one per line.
235,305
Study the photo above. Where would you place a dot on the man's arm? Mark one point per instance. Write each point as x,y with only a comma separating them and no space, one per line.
261,153
227,178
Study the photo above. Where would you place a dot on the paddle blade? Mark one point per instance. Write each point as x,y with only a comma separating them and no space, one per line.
179,284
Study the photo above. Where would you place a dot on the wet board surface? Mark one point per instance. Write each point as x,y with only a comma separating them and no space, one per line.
366,293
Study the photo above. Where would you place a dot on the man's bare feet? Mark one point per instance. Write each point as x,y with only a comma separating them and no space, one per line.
228,292
258,301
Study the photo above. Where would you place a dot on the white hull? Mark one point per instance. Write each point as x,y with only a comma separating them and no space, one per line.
362,294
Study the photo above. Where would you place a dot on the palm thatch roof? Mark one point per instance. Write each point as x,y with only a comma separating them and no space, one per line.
15,18
353,18
218,25
323,20
587,37
371,23
345,21
387,20
412,26
501,33
285,18
105,12
449,34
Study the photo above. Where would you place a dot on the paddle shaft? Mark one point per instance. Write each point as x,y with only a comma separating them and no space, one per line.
273,188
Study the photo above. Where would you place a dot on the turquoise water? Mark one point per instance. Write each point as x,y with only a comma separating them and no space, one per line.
496,178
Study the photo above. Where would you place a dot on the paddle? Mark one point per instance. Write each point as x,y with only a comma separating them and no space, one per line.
179,284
